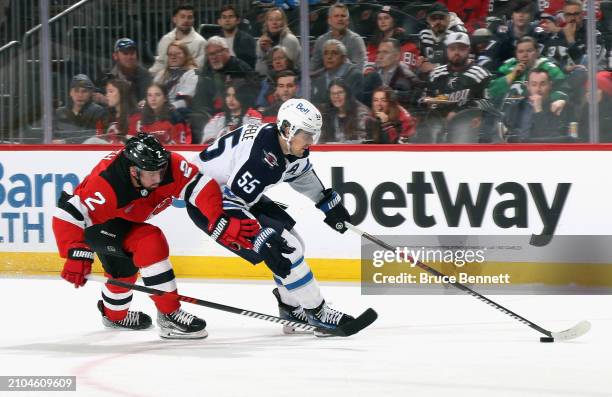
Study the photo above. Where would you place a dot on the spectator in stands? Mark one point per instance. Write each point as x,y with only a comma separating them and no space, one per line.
77,120
387,28
549,25
458,85
275,31
515,71
286,87
335,65
433,50
390,122
338,22
532,118
179,77
521,24
221,68
159,118
485,49
568,49
241,44
126,68
390,71
344,117
183,32
236,113
471,12
280,63
122,116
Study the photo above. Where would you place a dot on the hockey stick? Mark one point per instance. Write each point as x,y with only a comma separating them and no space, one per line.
572,333
365,319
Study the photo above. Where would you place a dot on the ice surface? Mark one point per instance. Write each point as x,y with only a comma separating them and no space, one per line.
420,346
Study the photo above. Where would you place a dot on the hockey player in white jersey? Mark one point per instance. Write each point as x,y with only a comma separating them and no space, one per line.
248,161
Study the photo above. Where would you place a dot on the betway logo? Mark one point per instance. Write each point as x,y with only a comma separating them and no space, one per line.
511,212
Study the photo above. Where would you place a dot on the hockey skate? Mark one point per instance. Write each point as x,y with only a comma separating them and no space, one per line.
133,321
181,325
291,313
324,316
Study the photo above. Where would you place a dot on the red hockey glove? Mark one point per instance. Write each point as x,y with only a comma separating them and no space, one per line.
231,231
77,266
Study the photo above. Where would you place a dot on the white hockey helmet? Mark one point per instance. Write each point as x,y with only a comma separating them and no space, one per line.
300,115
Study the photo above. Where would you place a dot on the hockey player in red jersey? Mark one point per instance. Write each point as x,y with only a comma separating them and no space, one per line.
107,215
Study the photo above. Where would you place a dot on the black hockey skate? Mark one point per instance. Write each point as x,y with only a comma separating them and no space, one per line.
181,325
133,321
291,313
324,316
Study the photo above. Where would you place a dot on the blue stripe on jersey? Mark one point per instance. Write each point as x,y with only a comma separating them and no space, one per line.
299,262
301,282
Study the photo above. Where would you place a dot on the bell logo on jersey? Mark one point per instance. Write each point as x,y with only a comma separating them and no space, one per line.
270,159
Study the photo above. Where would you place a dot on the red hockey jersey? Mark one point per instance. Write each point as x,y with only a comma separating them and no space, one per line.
108,193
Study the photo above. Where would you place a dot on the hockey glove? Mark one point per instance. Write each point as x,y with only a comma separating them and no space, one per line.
335,213
271,247
77,266
231,231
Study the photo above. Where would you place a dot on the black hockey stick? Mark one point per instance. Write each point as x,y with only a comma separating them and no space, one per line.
576,331
348,329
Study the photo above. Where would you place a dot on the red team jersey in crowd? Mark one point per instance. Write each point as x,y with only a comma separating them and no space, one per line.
167,132
110,131
107,193
410,52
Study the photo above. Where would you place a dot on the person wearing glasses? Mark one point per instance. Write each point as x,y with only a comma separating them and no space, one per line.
569,48
221,68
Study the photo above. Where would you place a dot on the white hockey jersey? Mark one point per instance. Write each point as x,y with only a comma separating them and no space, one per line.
249,160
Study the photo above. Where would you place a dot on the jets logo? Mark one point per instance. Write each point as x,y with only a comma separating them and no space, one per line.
270,159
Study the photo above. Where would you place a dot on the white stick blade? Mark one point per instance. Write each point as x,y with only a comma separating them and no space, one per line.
575,332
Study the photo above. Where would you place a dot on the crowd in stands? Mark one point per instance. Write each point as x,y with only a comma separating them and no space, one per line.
453,71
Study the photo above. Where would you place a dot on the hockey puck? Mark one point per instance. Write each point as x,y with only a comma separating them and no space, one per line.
547,339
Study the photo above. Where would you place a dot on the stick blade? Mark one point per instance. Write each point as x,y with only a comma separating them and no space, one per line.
572,333
365,319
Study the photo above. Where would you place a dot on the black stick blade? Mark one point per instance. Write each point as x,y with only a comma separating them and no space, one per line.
365,319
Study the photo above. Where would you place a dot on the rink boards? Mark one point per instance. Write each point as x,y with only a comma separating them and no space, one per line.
391,190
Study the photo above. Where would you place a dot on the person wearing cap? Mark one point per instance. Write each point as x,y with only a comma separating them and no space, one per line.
183,32
76,121
127,67
441,23
485,50
459,84
338,22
